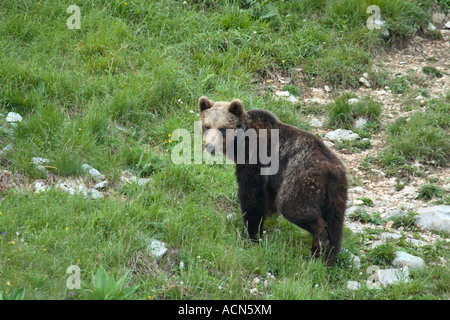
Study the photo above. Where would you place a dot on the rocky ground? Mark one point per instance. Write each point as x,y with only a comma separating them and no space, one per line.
389,201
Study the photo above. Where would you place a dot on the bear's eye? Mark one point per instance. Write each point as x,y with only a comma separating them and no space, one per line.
206,128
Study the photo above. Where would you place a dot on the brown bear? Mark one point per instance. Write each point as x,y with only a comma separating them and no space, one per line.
308,186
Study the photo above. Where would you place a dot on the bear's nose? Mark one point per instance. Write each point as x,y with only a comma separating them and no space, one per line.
210,148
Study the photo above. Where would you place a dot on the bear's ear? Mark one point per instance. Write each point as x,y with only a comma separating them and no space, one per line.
236,107
204,103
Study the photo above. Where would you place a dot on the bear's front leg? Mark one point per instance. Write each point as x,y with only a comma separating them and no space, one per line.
252,199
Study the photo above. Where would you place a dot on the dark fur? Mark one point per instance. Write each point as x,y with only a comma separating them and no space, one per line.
310,188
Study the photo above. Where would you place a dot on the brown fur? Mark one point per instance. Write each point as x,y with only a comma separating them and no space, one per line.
309,189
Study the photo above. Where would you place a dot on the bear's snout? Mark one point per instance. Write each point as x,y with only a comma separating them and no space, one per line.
210,148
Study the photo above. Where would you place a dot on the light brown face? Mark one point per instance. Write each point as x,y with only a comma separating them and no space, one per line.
216,118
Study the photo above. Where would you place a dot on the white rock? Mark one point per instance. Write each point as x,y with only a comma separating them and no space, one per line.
315,123
431,27
327,88
409,190
95,194
94,173
351,210
392,276
387,235
40,161
329,144
157,249
282,93
353,101
40,187
404,259
356,262
66,188
7,148
285,95
101,185
340,135
254,291
434,218
360,123
357,190
353,285
365,82
357,202
143,181
447,25
13,118
81,190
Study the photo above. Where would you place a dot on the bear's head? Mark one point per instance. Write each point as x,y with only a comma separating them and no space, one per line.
219,122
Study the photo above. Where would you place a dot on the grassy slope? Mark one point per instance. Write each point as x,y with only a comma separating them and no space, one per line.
129,65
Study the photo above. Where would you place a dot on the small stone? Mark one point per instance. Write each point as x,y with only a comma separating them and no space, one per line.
315,123
435,218
94,173
431,27
357,190
353,285
329,144
282,93
365,82
13,118
360,123
389,235
392,276
95,194
144,181
285,95
340,135
7,148
40,161
101,185
404,259
353,101
66,188
356,262
157,249
40,187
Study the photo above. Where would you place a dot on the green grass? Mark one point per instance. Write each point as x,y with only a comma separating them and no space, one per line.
342,114
429,191
109,95
422,137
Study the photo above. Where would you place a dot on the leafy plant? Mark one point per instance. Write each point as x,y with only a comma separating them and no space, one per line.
429,191
107,287
382,254
363,216
431,71
17,295
405,220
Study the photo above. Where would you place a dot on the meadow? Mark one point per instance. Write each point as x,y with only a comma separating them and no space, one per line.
112,92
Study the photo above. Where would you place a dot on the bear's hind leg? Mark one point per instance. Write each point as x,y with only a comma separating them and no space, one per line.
311,220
